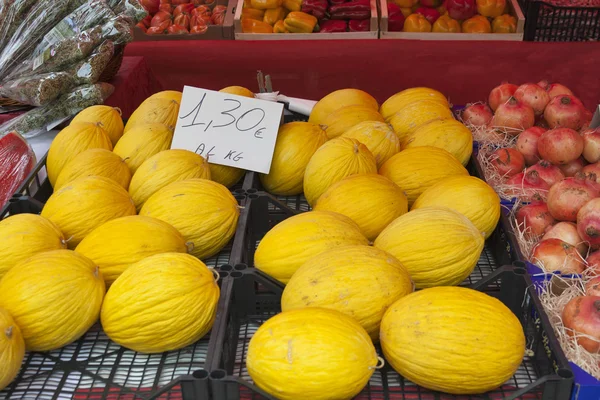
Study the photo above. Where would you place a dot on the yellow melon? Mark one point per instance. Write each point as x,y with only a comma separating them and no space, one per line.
12,348
108,117
225,175
447,134
468,195
121,242
402,99
85,204
379,138
453,340
296,144
414,115
162,110
164,168
54,297
72,140
295,240
338,99
23,235
95,162
238,90
342,119
359,281
167,94
437,245
203,211
142,142
417,169
149,318
370,200
332,162
311,353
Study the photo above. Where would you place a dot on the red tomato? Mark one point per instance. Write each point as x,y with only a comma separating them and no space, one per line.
177,30
197,2
182,20
155,30
210,2
219,9
183,9
146,21
141,26
218,18
161,17
165,1
199,29
178,2
165,7
150,5
200,10
201,20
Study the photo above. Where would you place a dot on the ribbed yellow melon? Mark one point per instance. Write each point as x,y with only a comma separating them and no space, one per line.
238,90
453,340
370,200
359,281
12,348
342,119
203,211
72,140
164,168
225,175
295,240
148,317
414,115
417,169
311,353
95,162
160,110
23,235
108,117
468,195
379,138
338,99
437,245
401,99
142,142
54,297
85,204
167,94
332,162
296,144
447,134
117,244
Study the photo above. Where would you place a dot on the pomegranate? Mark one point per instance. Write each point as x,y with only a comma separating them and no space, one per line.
555,255
548,173
501,94
544,84
560,145
572,168
566,197
513,116
527,144
592,287
567,232
477,115
556,89
508,161
527,184
581,316
593,262
565,111
534,96
591,145
461,9
592,169
588,222
534,218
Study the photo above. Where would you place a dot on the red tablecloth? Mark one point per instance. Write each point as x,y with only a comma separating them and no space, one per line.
464,71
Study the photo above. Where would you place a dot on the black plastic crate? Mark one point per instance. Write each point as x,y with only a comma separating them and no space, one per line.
545,22
96,368
255,297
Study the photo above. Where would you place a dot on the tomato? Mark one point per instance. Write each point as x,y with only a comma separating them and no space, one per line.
155,30
218,18
150,5
161,17
199,29
146,21
183,9
165,7
177,30
200,10
165,1
141,26
210,2
182,20
201,20
179,2
219,9
197,2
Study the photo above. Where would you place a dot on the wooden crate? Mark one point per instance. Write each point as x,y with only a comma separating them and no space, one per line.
515,11
373,33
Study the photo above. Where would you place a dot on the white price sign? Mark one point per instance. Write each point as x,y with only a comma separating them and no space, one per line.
228,129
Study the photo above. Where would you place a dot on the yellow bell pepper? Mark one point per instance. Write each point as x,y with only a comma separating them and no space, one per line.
504,24
273,15
299,22
247,4
253,13
292,5
445,24
491,8
416,23
406,11
279,27
266,4
405,3
476,24
255,26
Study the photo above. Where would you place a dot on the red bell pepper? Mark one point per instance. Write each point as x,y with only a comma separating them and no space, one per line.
316,8
355,9
396,23
331,26
430,14
356,25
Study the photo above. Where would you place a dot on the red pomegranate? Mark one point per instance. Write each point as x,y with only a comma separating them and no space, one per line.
588,222
534,96
534,219
594,169
593,262
508,161
591,145
567,232
477,115
581,317
560,145
566,197
527,184
565,111
548,172
513,116
556,89
555,255
572,168
592,287
527,144
501,94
